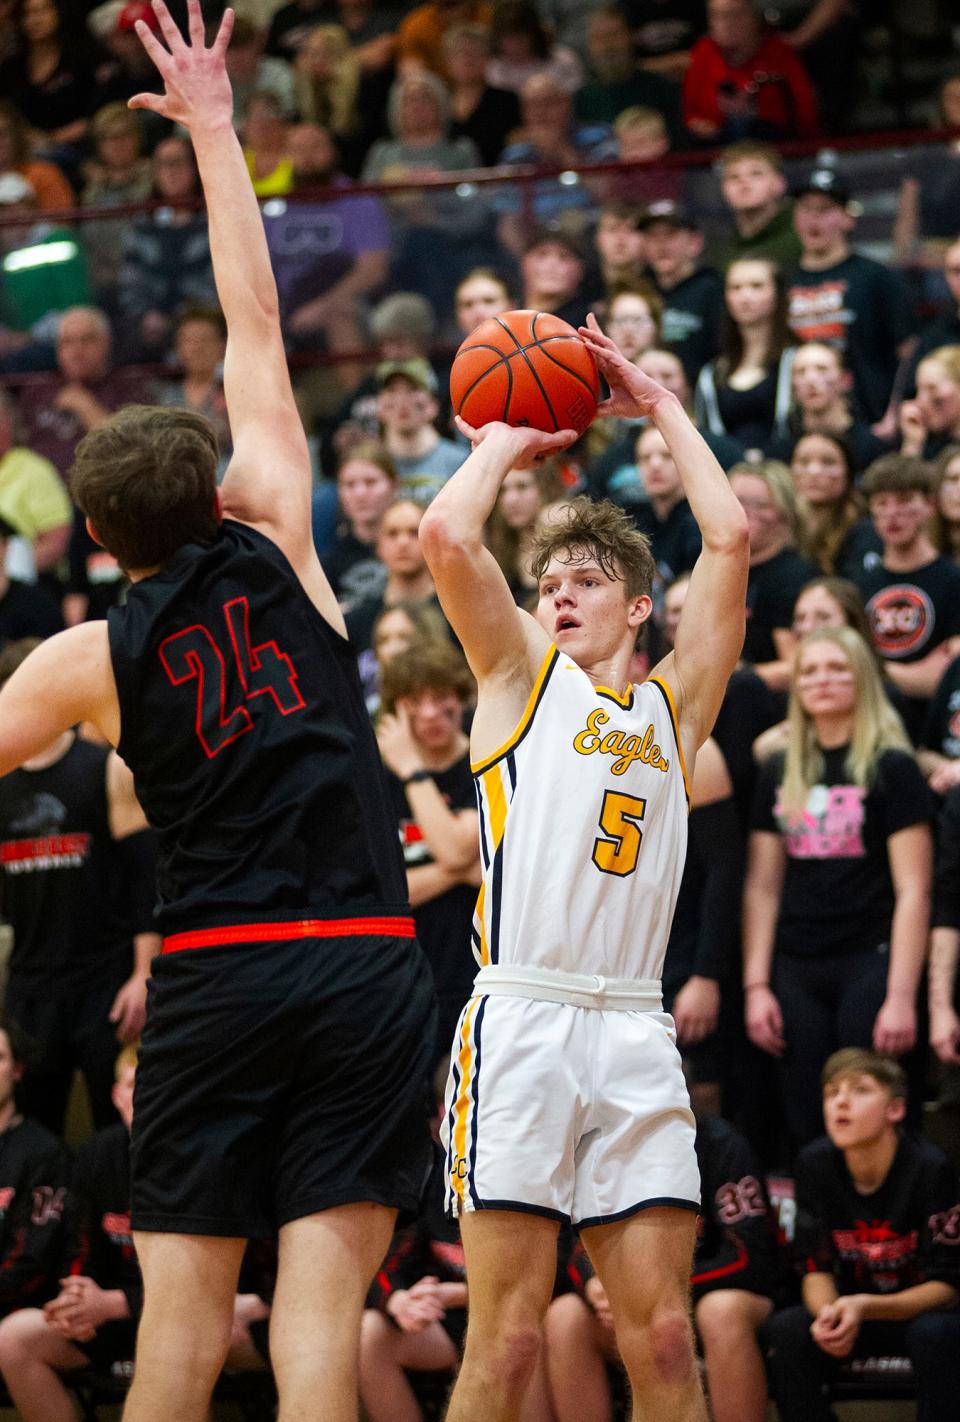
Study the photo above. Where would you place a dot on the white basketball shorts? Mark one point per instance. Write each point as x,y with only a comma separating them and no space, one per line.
570,1112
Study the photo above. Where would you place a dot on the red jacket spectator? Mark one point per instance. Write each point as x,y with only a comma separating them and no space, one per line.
767,95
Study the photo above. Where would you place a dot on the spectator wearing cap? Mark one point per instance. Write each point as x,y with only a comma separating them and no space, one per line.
328,255
745,81
692,294
407,407
50,187
33,498
617,82
420,36
845,299
552,272
44,271
754,188
549,137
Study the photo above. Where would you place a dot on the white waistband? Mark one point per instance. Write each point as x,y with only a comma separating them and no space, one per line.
575,989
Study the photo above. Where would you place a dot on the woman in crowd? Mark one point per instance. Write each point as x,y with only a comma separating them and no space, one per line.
932,421
837,892
200,345
166,259
481,294
946,524
265,146
822,388
836,532
334,90
478,110
746,390
424,695
366,483
521,47
523,495
50,187
117,174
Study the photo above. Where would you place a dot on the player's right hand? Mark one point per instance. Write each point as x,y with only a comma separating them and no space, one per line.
522,445
765,1021
197,88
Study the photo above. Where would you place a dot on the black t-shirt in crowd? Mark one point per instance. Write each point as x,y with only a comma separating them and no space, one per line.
905,1233
705,931
675,541
862,308
353,570
664,26
749,415
443,923
34,1168
837,894
910,614
692,319
862,548
946,879
28,610
772,590
748,709
941,730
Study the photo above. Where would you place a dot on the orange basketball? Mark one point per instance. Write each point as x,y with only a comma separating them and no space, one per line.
525,368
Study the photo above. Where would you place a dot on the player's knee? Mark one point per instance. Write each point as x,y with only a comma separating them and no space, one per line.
567,1320
513,1350
19,1334
375,1330
721,1314
662,1346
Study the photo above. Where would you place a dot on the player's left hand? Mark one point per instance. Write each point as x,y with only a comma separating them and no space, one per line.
696,1008
632,394
196,87
895,1030
521,445
129,1010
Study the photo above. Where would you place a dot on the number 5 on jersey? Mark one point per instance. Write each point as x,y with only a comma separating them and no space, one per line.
618,849
264,670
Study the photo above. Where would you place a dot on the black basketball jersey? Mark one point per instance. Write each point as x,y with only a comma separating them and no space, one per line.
243,721
63,889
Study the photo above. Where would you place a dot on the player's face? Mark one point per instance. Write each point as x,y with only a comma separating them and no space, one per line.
9,1071
751,292
660,477
820,222
122,1095
519,501
364,490
938,395
585,612
826,683
948,495
619,242
819,470
750,184
478,298
899,518
858,1110
818,377
399,545
815,609
436,718
631,326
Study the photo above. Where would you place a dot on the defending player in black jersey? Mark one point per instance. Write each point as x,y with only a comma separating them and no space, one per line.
281,1080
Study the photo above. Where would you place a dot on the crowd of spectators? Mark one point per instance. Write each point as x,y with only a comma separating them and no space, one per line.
812,970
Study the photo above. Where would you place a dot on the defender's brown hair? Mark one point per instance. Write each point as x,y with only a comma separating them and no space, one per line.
426,666
605,532
147,482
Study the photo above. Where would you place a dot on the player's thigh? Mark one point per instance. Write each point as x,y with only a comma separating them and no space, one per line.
203,1269
644,1261
429,1350
327,1260
722,1314
26,1337
511,1262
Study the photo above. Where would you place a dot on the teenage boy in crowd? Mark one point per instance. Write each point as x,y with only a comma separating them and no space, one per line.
850,301
912,595
408,407
692,295
878,1239
753,184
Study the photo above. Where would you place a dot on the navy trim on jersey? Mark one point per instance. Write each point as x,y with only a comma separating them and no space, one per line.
475,1087
635,1210
522,1208
527,720
496,898
483,829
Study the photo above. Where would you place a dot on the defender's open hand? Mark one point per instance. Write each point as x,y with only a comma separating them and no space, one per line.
197,89
632,393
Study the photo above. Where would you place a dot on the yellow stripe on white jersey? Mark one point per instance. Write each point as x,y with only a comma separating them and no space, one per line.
583,828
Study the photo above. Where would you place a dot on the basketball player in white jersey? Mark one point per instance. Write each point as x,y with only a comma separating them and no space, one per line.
566,1100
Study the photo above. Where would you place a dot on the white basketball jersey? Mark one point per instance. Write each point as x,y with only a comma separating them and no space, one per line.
583,829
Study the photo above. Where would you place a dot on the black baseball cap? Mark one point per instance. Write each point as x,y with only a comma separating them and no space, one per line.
676,213
827,183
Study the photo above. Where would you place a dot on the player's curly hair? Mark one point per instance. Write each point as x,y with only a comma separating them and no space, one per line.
606,533
146,479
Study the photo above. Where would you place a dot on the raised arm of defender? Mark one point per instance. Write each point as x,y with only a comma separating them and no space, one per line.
268,482
710,635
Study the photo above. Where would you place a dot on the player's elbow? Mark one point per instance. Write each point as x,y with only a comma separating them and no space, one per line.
730,537
443,538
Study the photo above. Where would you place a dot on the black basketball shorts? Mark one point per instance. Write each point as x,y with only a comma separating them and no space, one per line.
280,1077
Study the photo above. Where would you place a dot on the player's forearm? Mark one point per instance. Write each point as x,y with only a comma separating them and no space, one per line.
908,1303
942,972
238,245
720,518
146,946
460,511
